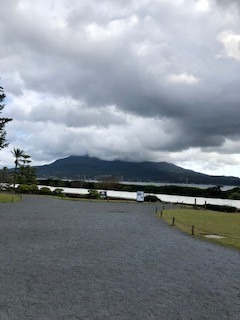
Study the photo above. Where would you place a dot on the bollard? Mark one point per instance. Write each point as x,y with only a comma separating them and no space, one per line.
156,210
161,213
173,221
192,230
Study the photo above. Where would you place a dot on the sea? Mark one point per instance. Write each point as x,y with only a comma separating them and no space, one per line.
163,197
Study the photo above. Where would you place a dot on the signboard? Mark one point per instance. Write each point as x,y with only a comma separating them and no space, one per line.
140,196
103,194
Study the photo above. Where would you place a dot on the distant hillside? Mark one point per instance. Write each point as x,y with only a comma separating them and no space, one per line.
84,167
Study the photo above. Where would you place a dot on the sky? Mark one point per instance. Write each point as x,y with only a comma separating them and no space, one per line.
136,80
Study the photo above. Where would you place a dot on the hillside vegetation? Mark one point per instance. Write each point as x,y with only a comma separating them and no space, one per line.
89,168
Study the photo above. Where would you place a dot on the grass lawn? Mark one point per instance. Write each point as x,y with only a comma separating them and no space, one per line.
8,197
207,223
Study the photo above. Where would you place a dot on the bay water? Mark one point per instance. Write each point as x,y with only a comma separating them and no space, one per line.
162,197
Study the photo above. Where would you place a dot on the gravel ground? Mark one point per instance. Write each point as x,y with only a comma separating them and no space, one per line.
95,260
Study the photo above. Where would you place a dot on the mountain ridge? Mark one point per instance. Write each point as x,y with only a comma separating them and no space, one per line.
86,167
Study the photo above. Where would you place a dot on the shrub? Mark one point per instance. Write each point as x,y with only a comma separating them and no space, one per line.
45,190
33,188
93,194
151,198
223,208
235,196
23,188
58,192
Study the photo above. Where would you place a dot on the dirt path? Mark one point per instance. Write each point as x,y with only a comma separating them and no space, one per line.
64,260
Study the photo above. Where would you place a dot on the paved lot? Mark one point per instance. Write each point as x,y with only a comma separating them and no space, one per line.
86,260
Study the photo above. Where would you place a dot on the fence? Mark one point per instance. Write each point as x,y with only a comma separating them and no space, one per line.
191,228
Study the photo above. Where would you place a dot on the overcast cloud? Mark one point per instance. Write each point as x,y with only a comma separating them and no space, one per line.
137,80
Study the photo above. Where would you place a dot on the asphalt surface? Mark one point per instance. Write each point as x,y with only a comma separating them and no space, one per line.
87,260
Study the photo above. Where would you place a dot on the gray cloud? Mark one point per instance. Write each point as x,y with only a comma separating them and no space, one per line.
107,71
228,2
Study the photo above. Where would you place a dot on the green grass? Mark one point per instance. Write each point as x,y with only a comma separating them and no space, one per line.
207,223
8,197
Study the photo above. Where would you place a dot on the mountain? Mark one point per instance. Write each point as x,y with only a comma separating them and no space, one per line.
85,167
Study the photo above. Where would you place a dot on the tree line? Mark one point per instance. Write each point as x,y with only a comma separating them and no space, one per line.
3,121
23,172
211,192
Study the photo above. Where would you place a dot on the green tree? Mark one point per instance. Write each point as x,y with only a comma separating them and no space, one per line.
26,159
19,156
4,178
3,121
234,196
26,175
23,172
93,194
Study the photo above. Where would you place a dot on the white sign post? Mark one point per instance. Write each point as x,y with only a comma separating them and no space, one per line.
140,196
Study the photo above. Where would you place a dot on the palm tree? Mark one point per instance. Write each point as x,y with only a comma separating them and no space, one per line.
19,156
